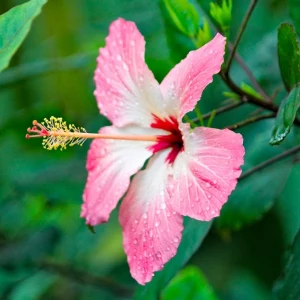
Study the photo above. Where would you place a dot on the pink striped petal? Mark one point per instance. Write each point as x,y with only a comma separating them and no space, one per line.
110,164
126,90
187,80
151,229
206,172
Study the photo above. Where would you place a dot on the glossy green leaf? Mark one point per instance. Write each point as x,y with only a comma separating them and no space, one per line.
294,6
183,15
286,116
255,194
288,287
193,235
190,284
288,55
14,26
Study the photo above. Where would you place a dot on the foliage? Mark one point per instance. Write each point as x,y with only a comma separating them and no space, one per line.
286,116
190,283
288,287
43,242
288,55
14,26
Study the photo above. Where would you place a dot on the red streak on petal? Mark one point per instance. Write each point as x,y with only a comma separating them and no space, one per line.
173,140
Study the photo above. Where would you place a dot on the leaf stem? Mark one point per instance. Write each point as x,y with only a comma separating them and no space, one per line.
219,110
250,121
270,161
239,35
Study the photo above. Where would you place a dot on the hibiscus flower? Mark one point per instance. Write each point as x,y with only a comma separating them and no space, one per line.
189,173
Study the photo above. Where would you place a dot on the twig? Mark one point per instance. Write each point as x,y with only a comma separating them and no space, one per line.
240,33
251,98
220,110
248,72
87,278
270,161
250,121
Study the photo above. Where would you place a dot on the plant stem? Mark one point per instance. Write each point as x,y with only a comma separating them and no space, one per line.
248,72
240,33
250,121
270,161
87,278
220,110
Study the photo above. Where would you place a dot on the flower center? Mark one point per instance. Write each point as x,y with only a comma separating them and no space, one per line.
173,140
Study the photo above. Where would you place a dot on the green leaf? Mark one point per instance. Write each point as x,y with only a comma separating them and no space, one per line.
250,90
255,194
14,26
190,284
193,235
294,6
184,16
288,288
286,116
204,34
245,285
222,14
288,55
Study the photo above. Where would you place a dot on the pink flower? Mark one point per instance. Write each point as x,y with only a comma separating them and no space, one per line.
188,173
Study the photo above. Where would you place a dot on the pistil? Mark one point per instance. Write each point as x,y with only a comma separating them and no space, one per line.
57,134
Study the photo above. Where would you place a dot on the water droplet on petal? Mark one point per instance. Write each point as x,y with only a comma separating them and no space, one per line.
207,184
156,223
163,205
135,241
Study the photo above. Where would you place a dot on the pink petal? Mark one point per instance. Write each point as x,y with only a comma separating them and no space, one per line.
206,172
126,90
151,229
187,80
110,164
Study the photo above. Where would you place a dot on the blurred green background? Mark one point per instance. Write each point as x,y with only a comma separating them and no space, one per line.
42,238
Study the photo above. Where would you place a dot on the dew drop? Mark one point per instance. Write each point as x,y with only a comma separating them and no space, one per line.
163,205
207,184
145,216
156,223
215,181
176,240
135,241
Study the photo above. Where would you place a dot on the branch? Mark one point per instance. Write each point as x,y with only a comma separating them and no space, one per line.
250,121
86,278
240,33
270,161
220,110
248,72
